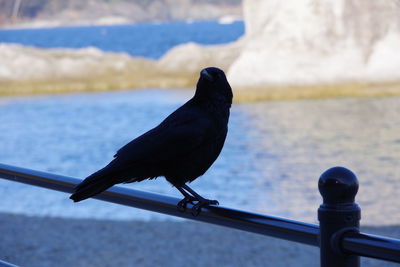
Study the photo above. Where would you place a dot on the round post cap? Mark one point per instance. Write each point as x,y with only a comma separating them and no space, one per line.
338,185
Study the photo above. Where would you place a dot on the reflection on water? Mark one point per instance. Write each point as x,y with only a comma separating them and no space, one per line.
307,137
274,153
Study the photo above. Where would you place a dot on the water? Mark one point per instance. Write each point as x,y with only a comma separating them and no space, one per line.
274,153
149,40
273,156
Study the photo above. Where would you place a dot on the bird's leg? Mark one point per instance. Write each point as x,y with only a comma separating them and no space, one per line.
187,199
201,201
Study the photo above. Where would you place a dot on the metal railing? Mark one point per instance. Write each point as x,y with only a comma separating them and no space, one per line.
6,264
338,234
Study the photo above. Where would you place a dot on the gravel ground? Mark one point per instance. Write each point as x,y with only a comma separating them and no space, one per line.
43,241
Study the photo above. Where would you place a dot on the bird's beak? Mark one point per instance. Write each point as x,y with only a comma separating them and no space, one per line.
204,73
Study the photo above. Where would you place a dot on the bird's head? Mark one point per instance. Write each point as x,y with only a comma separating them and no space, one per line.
213,85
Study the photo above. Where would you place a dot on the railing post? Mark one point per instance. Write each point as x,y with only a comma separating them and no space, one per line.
338,215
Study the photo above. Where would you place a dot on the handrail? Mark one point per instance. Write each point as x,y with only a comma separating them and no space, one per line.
352,242
251,222
6,264
372,246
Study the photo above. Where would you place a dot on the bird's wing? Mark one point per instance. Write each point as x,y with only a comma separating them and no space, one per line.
174,138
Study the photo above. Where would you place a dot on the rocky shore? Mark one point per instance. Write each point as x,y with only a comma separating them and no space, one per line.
28,70
281,56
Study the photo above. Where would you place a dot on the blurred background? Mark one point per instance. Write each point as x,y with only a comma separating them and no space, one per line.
316,84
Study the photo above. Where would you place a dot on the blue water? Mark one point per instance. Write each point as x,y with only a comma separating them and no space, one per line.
144,39
77,134
273,156
271,161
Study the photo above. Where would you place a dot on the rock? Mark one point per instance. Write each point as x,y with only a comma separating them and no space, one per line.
311,42
292,42
28,63
192,57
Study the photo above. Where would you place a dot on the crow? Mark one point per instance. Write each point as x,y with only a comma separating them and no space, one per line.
181,148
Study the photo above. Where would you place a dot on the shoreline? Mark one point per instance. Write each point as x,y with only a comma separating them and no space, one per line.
186,82
57,70
41,241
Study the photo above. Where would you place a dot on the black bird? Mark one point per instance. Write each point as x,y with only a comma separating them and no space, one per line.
181,148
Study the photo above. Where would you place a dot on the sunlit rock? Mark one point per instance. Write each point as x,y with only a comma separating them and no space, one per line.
29,63
311,41
192,57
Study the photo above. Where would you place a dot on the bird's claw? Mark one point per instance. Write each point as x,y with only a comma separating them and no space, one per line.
183,203
196,209
214,202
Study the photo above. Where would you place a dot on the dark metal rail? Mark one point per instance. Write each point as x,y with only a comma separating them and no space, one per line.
6,264
349,242
372,246
252,222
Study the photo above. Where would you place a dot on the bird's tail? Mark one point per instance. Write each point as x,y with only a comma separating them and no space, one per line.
92,185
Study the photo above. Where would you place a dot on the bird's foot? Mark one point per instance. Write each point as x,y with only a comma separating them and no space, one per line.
196,209
183,203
